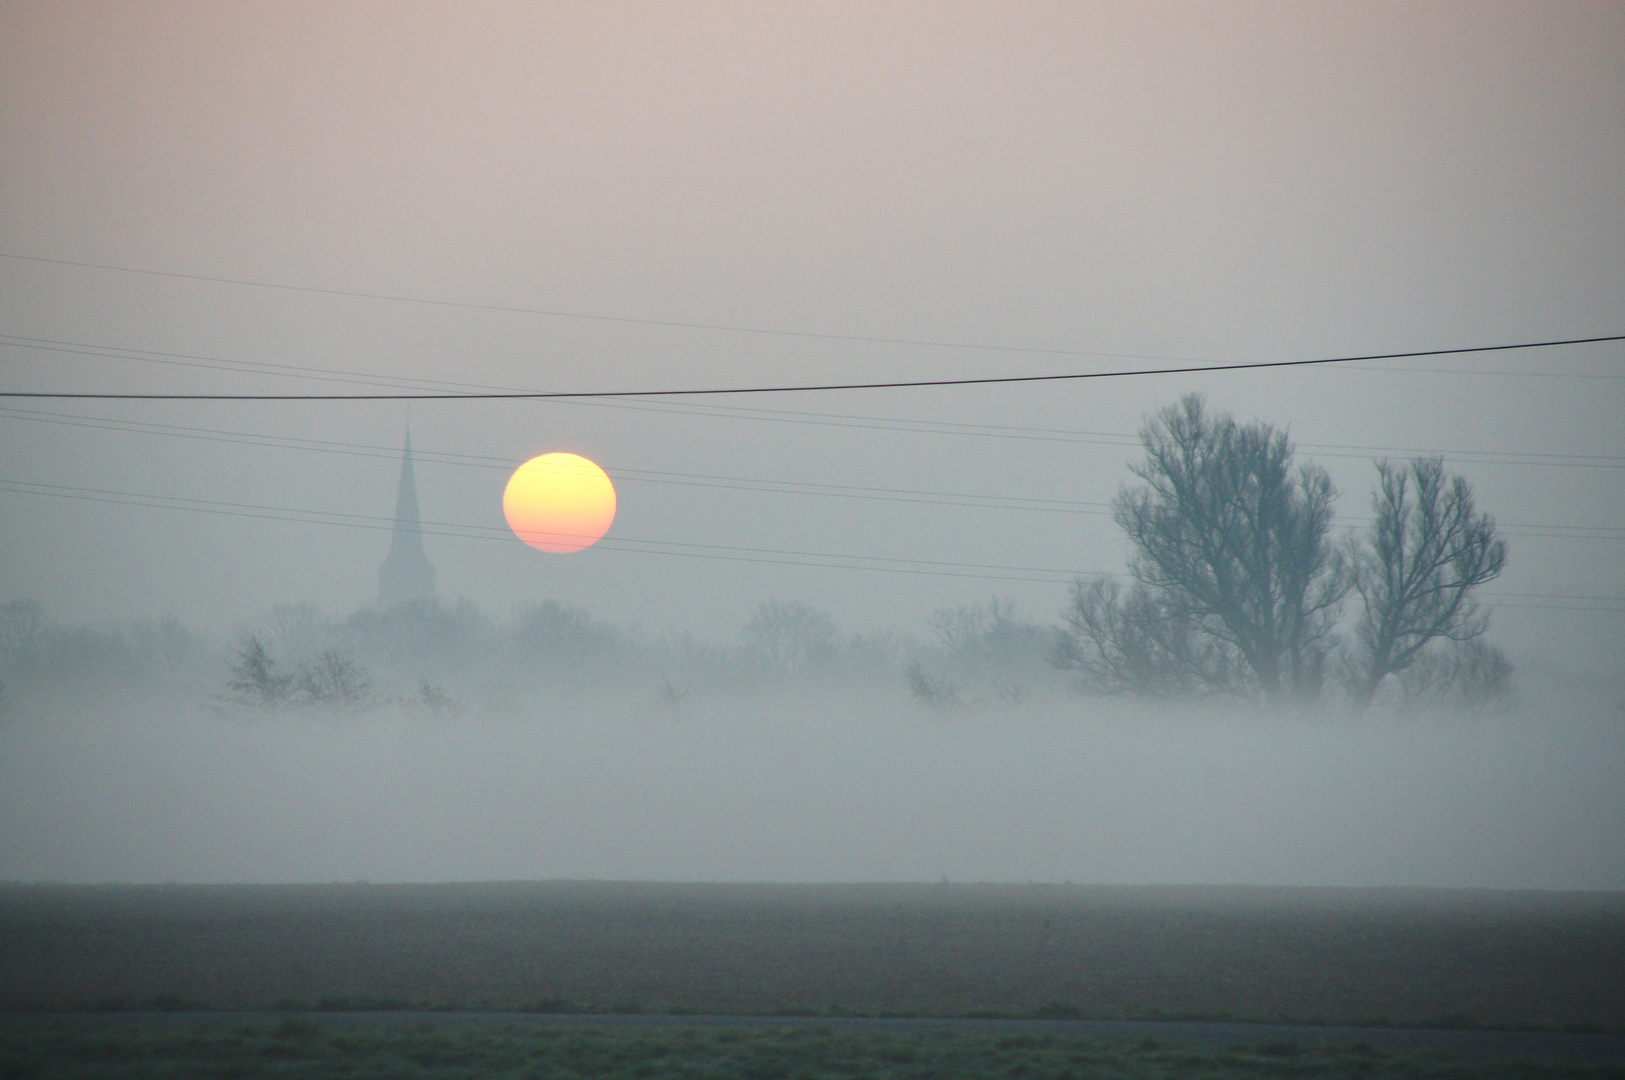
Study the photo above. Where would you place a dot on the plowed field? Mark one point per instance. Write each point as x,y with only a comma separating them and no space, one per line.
1348,955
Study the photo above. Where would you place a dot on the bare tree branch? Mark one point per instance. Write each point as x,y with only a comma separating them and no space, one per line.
253,676
1427,552
1129,641
1233,541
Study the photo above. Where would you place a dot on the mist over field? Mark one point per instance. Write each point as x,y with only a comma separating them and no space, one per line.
739,772
841,635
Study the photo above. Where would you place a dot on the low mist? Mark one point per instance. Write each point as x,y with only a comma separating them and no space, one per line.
591,752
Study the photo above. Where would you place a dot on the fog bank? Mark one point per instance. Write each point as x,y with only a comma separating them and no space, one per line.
807,788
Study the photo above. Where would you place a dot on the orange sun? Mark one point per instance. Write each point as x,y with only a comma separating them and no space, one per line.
559,503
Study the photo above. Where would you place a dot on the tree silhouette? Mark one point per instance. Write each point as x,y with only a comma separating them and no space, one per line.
1131,640
336,680
1234,542
252,676
1427,552
790,635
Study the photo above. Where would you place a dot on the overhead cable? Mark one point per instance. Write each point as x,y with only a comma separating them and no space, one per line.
703,480
792,416
910,384
725,552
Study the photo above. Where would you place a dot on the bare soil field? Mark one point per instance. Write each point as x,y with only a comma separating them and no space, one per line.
1402,956
456,1046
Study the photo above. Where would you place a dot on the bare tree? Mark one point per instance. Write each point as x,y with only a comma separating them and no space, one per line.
334,679
23,632
1128,640
990,637
252,675
1427,552
930,688
1467,674
1233,540
790,635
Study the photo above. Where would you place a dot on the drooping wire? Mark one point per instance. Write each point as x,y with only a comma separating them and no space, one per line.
792,416
731,483
725,552
909,384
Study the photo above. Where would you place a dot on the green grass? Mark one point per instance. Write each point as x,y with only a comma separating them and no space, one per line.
303,1046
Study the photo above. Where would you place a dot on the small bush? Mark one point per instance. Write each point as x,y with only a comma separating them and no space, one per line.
929,689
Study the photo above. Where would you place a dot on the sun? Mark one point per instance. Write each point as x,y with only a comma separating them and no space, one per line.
559,503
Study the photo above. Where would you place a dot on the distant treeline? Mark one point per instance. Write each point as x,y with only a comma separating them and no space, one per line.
1237,590
450,658
40,657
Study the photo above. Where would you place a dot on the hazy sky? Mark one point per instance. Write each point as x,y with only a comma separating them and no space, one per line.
1221,182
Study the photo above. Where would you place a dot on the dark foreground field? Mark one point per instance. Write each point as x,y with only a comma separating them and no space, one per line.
1439,957
78,1049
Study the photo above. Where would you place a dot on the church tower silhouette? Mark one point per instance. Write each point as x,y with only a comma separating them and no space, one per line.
407,573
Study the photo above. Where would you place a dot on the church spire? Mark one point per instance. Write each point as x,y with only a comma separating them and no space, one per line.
407,573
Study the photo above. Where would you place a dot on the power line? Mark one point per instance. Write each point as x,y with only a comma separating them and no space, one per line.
912,384
505,465
730,483
725,552
1067,436
586,316
881,423
1481,371
720,327
217,363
